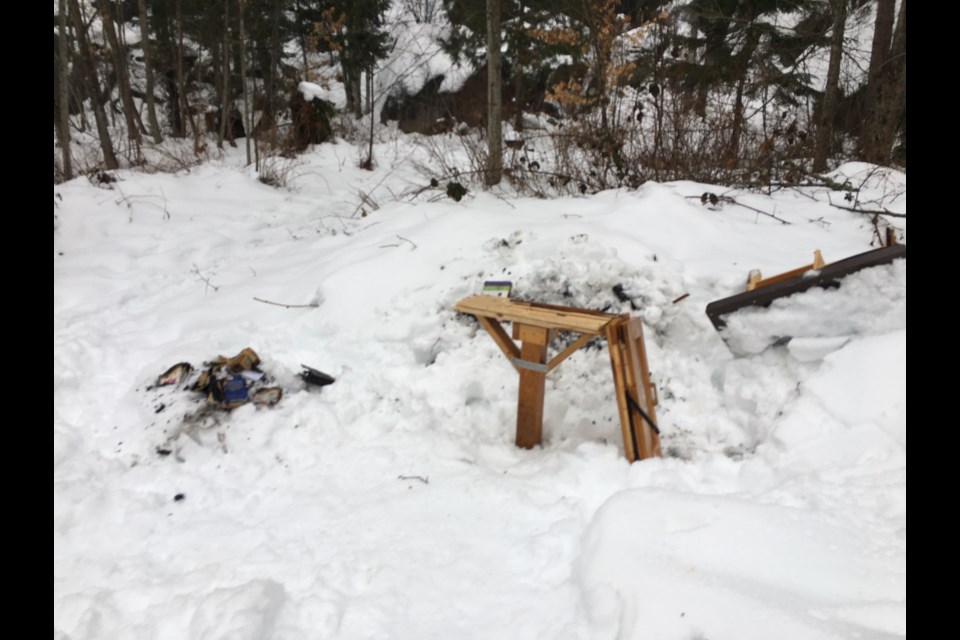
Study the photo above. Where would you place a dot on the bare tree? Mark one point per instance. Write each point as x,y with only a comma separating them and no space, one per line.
831,94
275,54
149,68
119,55
92,84
247,117
225,101
182,103
62,118
886,84
494,169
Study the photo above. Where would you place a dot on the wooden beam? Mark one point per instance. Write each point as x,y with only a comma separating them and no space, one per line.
536,315
566,353
642,390
532,387
615,346
536,335
495,329
755,280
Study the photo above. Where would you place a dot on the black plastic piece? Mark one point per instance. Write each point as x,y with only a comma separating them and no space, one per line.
827,276
315,377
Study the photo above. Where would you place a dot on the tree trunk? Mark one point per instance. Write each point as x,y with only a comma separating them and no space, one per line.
63,95
92,84
494,168
183,107
120,67
225,93
737,128
352,83
519,98
741,63
879,59
831,94
270,81
882,34
248,125
370,110
149,69
303,43
891,100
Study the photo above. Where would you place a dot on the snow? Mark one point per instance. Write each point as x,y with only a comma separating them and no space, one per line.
393,503
312,90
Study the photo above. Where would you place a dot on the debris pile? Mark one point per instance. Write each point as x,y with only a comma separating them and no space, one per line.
226,382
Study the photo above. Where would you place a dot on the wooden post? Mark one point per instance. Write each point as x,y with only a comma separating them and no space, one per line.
533,352
615,347
643,391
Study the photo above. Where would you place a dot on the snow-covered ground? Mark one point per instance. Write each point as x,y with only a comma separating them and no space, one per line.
393,504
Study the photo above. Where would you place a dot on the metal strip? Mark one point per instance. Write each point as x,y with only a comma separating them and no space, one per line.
532,366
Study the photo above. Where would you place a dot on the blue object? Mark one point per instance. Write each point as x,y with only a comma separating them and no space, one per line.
235,391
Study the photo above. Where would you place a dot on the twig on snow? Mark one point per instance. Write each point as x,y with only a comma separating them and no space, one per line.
730,200
424,480
867,212
760,211
204,279
312,305
387,246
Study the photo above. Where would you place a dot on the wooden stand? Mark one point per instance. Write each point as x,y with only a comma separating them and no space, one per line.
535,326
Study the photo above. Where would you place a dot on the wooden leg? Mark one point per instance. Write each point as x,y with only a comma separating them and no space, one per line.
532,385
613,332
641,389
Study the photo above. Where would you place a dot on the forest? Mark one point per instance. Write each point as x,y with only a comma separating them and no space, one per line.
759,92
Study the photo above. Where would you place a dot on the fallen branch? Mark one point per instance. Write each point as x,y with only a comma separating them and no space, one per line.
760,211
385,246
312,305
715,199
204,279
868,212
424,480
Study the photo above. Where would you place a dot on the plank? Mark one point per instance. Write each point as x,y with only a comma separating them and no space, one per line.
644,393
536,315
615,347
566,353
758,281
495,329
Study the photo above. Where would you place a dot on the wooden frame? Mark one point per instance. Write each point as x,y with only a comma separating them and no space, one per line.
756,279
535,326
785,284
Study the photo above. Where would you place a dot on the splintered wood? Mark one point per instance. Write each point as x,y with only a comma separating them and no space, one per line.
535,325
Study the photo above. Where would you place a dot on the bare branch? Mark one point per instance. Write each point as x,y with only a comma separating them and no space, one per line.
385,246
204,279
730,200
408,240
312,305
868,212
